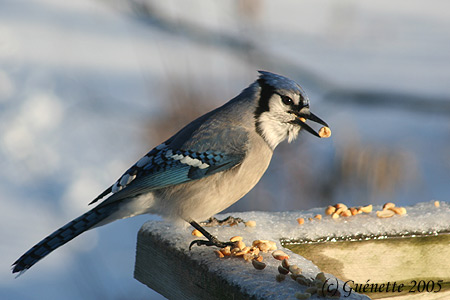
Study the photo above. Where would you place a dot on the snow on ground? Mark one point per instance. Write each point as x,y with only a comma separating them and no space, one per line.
78,81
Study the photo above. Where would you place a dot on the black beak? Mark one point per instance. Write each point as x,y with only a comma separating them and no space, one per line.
300,117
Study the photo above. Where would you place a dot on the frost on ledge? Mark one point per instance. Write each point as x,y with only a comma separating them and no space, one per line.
421,219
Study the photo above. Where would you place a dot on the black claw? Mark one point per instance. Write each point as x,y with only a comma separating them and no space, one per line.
211,240
209,243
200,243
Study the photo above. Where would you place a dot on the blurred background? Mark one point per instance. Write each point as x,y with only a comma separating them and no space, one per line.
89,86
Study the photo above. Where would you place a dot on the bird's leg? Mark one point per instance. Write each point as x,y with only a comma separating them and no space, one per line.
212,240
227,221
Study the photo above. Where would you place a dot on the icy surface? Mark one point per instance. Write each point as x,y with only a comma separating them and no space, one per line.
422,218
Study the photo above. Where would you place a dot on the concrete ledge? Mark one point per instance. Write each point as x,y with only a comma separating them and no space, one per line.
164,263
174,274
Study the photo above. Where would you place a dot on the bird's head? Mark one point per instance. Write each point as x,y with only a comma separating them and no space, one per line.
282,109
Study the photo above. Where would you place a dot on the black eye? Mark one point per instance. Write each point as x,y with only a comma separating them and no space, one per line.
286,100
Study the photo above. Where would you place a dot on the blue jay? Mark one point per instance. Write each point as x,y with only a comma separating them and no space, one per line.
204,168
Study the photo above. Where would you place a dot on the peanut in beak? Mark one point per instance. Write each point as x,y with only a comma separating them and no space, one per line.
325,132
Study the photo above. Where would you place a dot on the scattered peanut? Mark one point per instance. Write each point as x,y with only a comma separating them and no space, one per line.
267,245
341,205
346,213
324,132
259,258
318,217
248,257
398,210
339,210
300,221
219,254
243,251
239,244
256,242
272,245
264,247
385,213
246,249
226,251
388,205
437,204
329,210
235,250
254,251
367,209
197,233
236,238
250,223
258,265
280,255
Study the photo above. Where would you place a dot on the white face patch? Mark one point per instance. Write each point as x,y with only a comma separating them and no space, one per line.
275,124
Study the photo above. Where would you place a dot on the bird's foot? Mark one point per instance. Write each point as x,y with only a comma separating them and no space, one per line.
227,221
212,240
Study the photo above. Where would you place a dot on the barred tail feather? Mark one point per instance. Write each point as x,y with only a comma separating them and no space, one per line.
62,236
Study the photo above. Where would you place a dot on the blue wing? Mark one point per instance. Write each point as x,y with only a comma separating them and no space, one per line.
171,164
164,167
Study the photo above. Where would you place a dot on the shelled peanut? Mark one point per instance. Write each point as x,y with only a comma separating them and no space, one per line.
341,210
389,210
324,132
250,253
197,233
